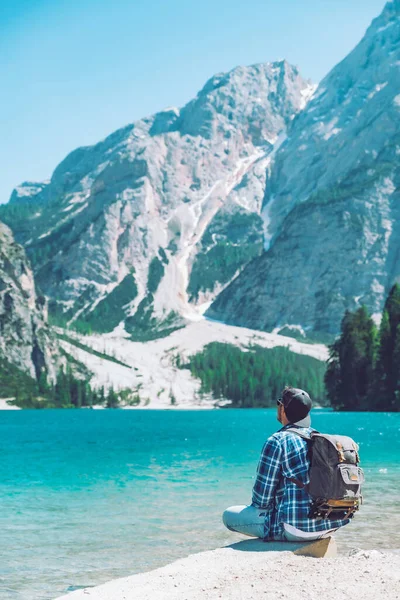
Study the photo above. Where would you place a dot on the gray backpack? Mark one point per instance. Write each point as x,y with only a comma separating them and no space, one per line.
335,477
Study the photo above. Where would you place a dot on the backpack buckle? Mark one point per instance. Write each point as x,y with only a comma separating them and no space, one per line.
340,452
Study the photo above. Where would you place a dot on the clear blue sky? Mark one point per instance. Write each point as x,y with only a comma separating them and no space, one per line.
73,71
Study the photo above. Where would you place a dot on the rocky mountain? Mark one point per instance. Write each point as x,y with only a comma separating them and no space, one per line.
25,340
332,202
145,228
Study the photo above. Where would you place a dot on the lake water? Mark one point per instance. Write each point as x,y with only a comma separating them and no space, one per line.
87,496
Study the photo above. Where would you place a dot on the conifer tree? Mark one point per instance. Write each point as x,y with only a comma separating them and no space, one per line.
42,382
62,391
396,367
350,370
112,399
387,369
380,393
78,394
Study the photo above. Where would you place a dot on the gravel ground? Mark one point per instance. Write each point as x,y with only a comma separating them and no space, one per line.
250,571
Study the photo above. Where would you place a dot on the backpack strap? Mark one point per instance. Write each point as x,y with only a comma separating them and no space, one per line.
297,482
297,431
306,437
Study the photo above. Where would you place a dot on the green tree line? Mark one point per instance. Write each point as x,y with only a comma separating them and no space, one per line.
254,377
363,371
67,392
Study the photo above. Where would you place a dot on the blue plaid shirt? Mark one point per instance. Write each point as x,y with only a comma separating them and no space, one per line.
285,455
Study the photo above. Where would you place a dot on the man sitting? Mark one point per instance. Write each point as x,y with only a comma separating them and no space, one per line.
280,508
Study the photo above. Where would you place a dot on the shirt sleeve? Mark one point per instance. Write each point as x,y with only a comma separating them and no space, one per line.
268,473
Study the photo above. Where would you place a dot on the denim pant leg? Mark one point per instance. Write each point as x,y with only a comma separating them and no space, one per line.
248,520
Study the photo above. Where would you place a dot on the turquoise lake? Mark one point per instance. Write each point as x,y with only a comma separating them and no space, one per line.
87,496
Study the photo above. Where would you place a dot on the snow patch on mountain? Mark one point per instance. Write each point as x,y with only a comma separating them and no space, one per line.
307,93
151,370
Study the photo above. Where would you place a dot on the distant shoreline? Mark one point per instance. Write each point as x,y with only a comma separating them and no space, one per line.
180,408
5,406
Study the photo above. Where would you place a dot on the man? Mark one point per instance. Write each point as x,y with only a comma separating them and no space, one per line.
280,508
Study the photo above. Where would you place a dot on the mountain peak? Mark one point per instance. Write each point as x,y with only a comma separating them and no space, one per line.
331,202
389,14
127,228
28,189
250,97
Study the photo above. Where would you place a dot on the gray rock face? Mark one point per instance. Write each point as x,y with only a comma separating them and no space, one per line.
332,201
25,340
155,220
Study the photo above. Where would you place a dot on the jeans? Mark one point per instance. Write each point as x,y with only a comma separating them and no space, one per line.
250,520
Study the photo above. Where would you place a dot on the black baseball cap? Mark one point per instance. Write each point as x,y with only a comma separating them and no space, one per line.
297,404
